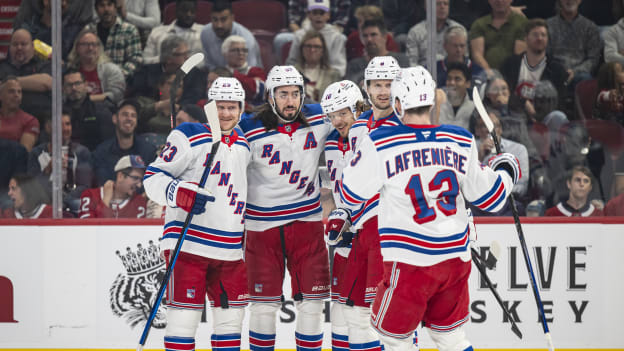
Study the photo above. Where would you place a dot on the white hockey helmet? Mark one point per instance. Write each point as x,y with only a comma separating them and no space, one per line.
414,87
381,67
280,76
227,89
339,95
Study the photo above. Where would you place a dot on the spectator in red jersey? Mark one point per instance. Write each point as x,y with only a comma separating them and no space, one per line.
28,197
615,206
579,181
15,124
118,198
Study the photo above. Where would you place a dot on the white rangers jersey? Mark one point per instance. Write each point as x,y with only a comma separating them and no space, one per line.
423,173
363,126
218,232
338,151
283,172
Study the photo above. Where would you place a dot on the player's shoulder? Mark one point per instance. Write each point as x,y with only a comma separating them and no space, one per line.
191,129
241,139
457,134
333,136
249,123
313,113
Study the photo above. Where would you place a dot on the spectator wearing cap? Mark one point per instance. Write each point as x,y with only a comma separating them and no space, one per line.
91,120
417,39
15,124
221,26
118,198
76,165
318,14
251,78
122,42
374,39
184,27
103,78
123,143
455,44
33,73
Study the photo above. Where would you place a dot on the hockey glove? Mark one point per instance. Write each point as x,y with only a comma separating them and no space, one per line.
508,163
337,226
188,196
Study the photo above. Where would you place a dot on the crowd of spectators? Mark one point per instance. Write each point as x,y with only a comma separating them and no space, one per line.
549,71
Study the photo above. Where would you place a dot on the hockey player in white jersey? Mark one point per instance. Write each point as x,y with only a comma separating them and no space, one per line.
342,102
211,257
364,268
283,219
424,174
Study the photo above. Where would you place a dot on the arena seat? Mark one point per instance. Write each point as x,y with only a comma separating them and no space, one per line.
268,15
202,12
585,94
265,41
608,133
285,51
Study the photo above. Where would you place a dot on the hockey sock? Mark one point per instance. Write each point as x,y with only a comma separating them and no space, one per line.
177,343
225,342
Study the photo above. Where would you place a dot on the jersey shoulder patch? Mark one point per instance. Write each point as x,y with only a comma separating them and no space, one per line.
191,129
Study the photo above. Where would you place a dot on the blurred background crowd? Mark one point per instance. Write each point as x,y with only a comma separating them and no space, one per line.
552,70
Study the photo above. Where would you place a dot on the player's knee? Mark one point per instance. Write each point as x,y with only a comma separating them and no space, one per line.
264,308
310,306
357,317
451,341
182,322
395,344
227,320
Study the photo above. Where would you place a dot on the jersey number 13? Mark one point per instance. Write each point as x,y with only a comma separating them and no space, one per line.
445,200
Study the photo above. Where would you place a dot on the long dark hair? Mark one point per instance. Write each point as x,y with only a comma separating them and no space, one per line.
32,192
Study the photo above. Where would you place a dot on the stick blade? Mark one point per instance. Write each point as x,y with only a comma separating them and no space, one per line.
481,109
210,109
192,62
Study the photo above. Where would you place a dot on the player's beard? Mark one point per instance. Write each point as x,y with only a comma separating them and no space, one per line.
288,116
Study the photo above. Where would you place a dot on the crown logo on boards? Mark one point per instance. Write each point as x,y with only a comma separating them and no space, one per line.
141,261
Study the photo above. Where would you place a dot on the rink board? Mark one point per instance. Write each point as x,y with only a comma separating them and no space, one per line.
58,284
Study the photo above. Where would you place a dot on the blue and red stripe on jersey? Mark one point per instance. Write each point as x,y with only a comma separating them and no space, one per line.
151,170
366,208
284,212
349,197
421,243
204,235
493,197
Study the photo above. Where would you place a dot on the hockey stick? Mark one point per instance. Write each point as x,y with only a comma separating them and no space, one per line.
215,130
179,76
538,300
478,261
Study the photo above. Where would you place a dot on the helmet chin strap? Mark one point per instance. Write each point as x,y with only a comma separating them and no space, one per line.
279,115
